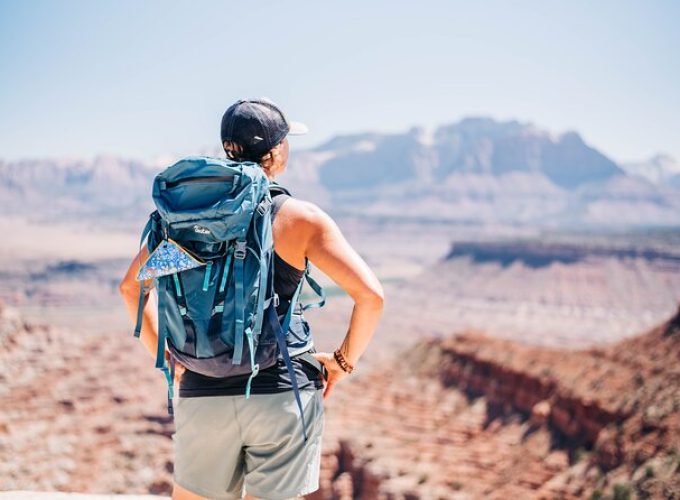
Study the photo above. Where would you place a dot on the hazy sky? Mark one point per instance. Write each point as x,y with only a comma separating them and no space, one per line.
146,78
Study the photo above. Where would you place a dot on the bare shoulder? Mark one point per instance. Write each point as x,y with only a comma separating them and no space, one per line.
315,236
304,215
299,226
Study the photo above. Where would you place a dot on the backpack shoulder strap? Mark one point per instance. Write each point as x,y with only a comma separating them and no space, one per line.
276,189
277,203
279,195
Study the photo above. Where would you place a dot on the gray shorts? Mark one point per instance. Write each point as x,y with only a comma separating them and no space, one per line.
227,446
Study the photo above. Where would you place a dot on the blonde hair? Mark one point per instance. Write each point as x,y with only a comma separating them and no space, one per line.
235,152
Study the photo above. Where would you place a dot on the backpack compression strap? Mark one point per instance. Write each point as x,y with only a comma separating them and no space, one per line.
265,242
161,363
239,301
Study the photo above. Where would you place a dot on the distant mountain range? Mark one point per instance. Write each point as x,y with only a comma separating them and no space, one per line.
47,189
661,170
475,171
481,171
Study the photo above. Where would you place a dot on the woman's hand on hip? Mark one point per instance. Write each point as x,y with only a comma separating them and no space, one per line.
335,373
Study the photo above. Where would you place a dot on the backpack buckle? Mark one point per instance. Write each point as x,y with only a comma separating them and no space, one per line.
263,206
276,300
240,251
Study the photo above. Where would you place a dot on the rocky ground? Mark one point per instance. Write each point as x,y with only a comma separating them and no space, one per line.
458,417
79,412
480,417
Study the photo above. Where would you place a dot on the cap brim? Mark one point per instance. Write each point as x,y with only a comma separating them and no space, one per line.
297,128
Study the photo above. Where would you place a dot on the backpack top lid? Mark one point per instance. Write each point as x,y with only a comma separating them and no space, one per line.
213,197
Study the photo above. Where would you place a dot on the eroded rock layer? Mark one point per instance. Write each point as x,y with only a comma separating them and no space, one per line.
461,417
473,416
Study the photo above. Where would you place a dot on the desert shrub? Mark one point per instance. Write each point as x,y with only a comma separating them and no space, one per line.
456,485
621,492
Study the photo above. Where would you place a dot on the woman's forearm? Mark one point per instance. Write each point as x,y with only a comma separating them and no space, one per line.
363,322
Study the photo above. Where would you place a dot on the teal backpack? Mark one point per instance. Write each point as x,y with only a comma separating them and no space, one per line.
211,261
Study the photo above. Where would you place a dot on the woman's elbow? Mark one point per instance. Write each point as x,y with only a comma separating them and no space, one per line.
127,287
373,297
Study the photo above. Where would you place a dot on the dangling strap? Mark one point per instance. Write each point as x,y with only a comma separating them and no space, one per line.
172,366
160,359
255,367
274,324
160,348
142,289
170,379
140,308
317,290
239,325
281,331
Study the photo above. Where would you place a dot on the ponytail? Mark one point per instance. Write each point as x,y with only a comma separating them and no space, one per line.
235,152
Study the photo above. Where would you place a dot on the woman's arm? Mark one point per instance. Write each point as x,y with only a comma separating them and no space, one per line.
129,290
328,249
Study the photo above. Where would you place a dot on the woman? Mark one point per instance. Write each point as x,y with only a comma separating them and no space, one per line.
225,444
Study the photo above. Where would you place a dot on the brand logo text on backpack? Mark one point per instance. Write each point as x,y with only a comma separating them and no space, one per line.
201,230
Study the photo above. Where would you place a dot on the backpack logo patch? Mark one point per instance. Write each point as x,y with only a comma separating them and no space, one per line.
201,230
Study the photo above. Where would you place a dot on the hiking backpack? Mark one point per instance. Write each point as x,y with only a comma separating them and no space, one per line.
211,261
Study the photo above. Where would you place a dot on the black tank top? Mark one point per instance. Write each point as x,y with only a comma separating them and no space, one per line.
270,380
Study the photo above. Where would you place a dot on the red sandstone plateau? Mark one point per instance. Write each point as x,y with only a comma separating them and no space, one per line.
466,416
482,417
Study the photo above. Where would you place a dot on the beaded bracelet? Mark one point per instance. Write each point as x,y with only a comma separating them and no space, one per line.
342,362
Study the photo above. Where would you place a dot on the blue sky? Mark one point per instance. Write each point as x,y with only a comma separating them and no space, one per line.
147,78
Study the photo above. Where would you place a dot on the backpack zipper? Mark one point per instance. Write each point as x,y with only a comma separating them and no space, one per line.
191,180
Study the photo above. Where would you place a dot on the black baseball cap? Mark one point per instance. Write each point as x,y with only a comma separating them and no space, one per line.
257,125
